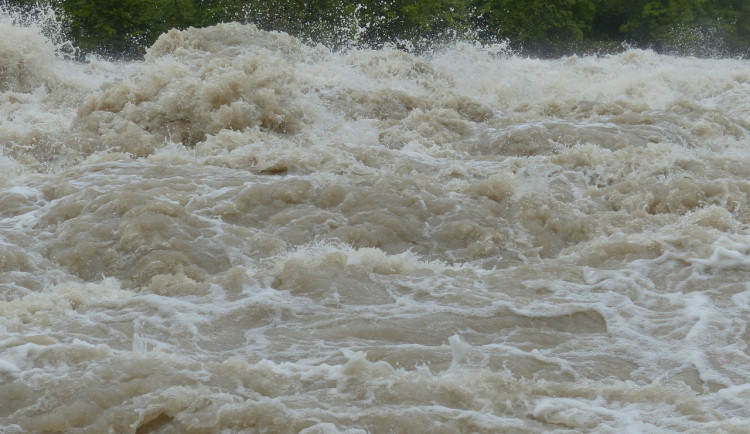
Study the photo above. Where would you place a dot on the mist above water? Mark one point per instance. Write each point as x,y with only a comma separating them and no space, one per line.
245,233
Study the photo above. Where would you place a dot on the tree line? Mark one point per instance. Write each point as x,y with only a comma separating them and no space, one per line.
124,28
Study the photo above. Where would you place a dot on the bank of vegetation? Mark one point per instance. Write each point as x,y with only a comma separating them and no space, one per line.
535,27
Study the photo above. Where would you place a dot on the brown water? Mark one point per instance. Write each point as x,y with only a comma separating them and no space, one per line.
242,233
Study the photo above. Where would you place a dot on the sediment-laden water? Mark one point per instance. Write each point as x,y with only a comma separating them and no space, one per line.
243,233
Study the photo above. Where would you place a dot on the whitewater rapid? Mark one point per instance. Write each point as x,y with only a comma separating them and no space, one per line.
245,233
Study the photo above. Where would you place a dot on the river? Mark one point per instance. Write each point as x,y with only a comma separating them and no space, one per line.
244,233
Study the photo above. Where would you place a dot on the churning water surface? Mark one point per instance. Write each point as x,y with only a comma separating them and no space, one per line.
244,233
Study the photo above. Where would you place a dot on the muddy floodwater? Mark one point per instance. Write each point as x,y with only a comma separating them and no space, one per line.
243,233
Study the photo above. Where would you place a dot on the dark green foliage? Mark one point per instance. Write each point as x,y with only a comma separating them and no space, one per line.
412,22
318,21
539,20
544,27
124,26
539,25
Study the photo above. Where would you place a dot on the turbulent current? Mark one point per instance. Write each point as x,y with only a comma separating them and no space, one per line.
245,233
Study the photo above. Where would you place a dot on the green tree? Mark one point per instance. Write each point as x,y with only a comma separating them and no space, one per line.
548,27
696,27
417,21
210,12
118,27
733,18
654,18
537,24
